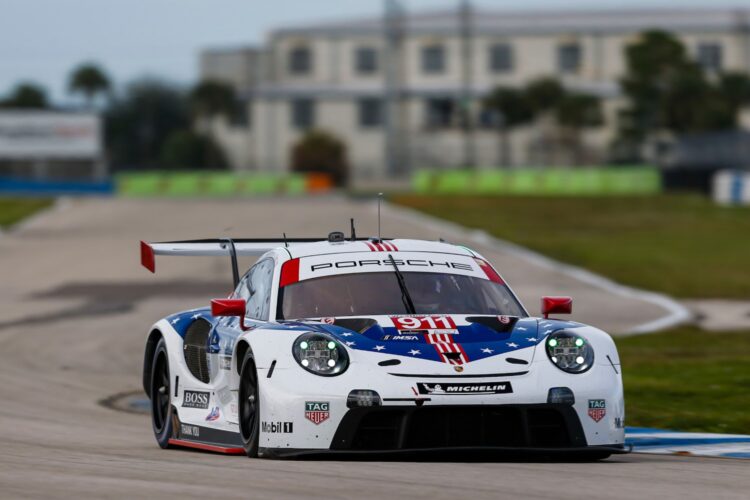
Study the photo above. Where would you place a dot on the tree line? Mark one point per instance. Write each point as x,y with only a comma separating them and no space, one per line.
152,123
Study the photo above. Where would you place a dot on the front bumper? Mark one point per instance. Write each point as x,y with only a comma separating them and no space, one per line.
455,430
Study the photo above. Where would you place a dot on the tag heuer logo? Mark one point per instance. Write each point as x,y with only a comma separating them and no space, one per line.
597,409
317,411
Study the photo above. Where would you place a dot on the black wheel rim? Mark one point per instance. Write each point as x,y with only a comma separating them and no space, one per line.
160,393
248,403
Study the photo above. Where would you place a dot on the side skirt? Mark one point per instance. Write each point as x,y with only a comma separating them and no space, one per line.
205,438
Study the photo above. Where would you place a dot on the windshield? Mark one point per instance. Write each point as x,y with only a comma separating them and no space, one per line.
371,294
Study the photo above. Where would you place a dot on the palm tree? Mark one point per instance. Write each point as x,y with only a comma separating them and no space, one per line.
575,112
88,79
208,99
211,98
512,108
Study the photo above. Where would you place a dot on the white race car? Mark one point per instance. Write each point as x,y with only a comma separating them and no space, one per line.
376,345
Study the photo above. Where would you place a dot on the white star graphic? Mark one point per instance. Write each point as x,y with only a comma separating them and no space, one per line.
414,352
522,328
346,334
512,344
531,339
487,350
379,347
349,344
196,316
175,321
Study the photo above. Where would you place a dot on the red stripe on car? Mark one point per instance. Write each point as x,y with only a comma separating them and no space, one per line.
490,272
370,246
207,447
289,273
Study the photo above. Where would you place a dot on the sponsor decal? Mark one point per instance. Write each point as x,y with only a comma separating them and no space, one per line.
225,362
317,411
214,415
458,368
328,321
444,324
597,409
619,423
277,427
190,430
411,338
466,388
195,399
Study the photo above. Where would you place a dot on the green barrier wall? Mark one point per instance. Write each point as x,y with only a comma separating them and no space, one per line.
542,182
212,184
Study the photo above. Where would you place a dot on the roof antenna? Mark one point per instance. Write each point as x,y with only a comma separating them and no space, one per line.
286,243
380,197
354,232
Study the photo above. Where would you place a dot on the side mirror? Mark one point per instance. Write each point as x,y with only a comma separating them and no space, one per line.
556,305
230,307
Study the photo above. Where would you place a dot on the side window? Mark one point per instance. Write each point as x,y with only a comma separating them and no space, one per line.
257,289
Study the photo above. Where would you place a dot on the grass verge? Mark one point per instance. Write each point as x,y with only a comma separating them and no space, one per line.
687,379
12,210
682,245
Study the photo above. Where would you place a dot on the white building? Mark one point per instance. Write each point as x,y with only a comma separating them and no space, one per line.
334,76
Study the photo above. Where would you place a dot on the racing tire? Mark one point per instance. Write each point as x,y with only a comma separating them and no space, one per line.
161,404
249,406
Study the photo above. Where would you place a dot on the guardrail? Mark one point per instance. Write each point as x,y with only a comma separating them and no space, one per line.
541,182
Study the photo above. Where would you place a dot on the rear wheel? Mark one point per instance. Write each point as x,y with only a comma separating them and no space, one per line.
249,406
161,405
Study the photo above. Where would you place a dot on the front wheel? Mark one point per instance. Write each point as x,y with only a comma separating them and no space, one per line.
249,406
161,405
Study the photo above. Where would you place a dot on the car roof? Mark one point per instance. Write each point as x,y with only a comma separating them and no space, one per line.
374,245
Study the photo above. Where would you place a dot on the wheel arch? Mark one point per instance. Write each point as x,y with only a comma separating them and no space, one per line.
148,359
242,347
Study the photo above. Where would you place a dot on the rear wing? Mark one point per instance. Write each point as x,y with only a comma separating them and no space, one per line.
224,246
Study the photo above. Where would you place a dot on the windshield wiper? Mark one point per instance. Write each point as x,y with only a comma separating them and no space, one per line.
405,297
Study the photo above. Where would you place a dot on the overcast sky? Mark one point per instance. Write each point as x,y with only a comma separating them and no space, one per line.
41,40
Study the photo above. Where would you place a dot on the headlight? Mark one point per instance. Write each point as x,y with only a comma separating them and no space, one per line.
320,354
569,352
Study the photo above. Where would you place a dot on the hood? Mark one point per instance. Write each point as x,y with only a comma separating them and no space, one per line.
452,339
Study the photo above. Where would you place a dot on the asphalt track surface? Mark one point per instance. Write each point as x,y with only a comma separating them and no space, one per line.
74,310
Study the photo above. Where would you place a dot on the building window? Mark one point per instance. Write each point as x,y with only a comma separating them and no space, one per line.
370,112
241,114
501,58
366,60
300,61
433,59
710,56
569,58
303,113
439,112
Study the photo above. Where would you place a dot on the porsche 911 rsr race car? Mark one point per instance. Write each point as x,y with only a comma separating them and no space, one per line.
376,345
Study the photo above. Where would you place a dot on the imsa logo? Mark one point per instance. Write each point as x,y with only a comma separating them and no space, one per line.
317,411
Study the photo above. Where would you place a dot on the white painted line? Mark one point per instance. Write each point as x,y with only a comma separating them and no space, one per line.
677,314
